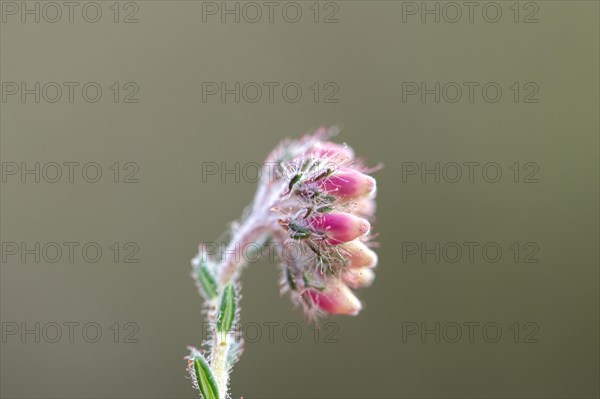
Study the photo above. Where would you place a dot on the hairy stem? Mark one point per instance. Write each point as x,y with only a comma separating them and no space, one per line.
250,234
219,364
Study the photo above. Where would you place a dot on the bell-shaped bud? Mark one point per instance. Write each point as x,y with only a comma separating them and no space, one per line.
335,298
365,207
358,277
348,184
358,255
339,227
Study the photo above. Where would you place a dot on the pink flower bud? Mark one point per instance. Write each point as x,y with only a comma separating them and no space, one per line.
365,207
340,227
334,151
336,298
347,184
358,255
359,277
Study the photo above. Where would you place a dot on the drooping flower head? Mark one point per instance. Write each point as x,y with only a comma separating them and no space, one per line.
319,206
325,213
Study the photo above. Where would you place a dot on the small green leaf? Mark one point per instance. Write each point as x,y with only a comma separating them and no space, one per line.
305,166
300,236
227,311
293,181
205,378
297,228
299,232
290,279
314,249
325,174
329,198
312,283
325,209
207,281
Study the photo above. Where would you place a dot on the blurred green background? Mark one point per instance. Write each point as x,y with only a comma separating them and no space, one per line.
171,132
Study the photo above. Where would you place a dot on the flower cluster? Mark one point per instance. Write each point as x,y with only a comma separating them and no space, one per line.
322,200
326,210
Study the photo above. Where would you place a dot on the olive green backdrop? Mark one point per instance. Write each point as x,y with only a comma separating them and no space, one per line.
361,61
